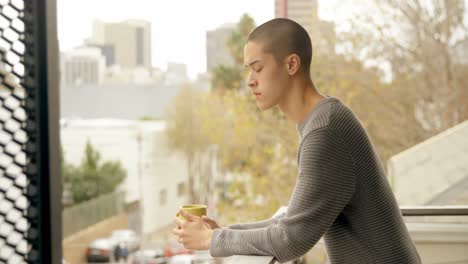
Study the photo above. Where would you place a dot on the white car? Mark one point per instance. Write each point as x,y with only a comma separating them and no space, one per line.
127,237
203,257
181,259
149,256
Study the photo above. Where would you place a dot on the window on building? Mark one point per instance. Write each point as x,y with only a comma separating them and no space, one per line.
181,189
162,197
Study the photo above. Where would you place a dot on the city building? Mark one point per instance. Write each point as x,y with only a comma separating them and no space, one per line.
130,39
217,52
305,12
157,178
117,75
203,82
153,173
176,74
120,100
106,49
82,66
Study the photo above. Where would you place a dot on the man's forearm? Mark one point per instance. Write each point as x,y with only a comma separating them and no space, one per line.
260,224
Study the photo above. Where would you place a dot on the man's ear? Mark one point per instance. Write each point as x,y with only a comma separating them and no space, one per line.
293,63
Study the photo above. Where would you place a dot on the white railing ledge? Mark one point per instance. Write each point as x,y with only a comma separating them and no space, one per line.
238,259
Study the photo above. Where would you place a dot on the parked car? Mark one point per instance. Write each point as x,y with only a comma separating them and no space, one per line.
149,256
127,237
100,250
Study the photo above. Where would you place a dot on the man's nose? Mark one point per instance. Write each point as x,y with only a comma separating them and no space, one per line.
251,82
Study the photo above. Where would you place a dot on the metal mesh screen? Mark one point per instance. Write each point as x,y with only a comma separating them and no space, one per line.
18,188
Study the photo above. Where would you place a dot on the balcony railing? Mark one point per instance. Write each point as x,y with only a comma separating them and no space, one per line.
434,210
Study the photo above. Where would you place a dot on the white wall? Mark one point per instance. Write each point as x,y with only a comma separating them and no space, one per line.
149,162
440,242
114,140
421,173
162,172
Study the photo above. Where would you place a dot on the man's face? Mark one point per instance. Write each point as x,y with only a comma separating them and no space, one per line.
267,79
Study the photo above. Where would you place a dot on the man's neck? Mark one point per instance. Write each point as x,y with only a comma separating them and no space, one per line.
300,100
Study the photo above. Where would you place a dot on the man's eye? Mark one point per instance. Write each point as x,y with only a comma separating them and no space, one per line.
259,70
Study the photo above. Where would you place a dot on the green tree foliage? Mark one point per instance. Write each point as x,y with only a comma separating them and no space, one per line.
226,77
259,148
92,177
229,77
239,37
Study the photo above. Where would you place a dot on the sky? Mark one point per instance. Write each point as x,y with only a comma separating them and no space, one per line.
178,26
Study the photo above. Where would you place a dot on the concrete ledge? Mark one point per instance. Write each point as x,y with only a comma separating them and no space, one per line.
249,260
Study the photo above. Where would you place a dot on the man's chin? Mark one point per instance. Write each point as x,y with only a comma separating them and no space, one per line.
263,106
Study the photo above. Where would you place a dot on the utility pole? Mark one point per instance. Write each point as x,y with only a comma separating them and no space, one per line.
140,184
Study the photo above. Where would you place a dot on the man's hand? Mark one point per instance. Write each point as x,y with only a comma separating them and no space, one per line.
211,222
194,233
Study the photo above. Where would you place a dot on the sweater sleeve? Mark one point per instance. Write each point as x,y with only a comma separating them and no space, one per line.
264,223
259,224
325,185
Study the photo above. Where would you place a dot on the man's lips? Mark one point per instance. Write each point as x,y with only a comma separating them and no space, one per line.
257,94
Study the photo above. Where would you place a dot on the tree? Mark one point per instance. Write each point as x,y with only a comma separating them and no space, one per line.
239,37
68,170
183,134
258,148
385,110
228,77
91,178
422,42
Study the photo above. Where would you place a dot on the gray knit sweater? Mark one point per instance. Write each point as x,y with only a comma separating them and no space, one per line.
341,193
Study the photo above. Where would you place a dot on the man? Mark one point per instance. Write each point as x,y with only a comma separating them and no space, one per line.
341,191
117,252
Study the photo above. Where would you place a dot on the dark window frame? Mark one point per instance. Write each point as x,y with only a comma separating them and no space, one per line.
41,29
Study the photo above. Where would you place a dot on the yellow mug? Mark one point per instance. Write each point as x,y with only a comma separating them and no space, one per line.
195,209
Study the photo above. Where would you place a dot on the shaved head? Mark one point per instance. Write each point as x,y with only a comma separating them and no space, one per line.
282,37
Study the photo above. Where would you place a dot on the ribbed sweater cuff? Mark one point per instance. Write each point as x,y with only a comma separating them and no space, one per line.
216,249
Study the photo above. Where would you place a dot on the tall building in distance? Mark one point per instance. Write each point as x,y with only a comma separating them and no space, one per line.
82,66
106,50
305,12
176,73
128,43
217,51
